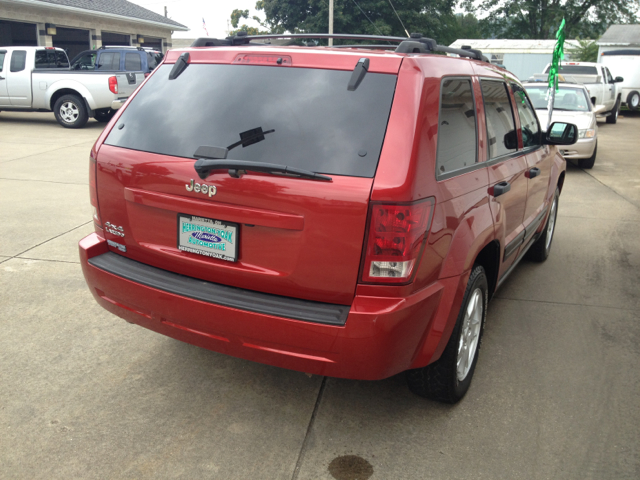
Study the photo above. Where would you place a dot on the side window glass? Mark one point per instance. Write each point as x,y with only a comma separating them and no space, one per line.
501,132
457,134
41,59
110,61
2,55
528,119
608,74
61,59
85,62
18,60
132,62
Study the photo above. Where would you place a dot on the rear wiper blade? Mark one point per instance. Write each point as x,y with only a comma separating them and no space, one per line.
204,167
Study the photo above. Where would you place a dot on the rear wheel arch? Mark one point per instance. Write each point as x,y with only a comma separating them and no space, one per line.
489,259
63,91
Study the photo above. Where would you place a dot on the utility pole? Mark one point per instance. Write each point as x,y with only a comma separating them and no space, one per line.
331,22
165,10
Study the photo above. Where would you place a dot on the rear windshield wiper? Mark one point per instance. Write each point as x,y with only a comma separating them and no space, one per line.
205,166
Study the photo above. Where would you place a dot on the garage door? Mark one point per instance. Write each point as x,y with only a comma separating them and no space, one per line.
18,34
72,40
115,39
155,43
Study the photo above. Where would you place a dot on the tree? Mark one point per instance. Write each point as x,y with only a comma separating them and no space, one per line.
432,18
586,51
237,14
539,19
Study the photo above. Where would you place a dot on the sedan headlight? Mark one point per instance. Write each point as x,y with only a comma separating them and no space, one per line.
589,133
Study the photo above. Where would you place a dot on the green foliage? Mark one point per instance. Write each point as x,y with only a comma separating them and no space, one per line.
432,18
586,51
539,19
237,14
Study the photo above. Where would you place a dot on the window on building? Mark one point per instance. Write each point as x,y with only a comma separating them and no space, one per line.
501,130
457,134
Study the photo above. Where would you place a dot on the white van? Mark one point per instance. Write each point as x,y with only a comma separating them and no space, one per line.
626,63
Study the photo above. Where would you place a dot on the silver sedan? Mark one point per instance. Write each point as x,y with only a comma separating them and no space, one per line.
571,105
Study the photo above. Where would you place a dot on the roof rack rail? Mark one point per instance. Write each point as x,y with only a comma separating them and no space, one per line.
416,43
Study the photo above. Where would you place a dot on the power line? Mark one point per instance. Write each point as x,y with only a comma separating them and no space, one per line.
374,25
394,10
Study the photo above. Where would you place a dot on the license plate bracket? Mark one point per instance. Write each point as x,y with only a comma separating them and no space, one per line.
208,237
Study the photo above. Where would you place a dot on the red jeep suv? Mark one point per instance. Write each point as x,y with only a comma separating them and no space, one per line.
345,211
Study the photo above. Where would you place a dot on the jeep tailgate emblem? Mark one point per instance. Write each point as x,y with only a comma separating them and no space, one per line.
205,189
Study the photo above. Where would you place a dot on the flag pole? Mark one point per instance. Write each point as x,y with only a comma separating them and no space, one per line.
552,80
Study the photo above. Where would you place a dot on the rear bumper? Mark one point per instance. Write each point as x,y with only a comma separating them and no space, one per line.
583,148
382,336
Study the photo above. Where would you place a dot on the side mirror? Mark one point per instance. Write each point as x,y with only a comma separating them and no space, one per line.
511,140
618,80
560,133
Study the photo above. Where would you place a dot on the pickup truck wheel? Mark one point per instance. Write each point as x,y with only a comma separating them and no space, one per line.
589,162
539,251
70,111
448,378
613,118
633,101
104,115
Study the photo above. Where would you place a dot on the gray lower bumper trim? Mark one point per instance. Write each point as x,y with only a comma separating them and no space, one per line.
287,307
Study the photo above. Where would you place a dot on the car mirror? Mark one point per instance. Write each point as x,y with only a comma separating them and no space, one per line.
560,133
511,140
619,80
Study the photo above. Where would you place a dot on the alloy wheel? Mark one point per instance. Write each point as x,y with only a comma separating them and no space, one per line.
470,334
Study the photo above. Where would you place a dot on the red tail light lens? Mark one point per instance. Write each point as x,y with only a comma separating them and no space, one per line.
93,191
113,84
396,235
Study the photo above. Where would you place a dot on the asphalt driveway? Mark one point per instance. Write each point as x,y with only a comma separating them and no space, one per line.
85,395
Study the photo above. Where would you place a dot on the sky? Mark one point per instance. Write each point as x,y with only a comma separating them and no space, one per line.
190,13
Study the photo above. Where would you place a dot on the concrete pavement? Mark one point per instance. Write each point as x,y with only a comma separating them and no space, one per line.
83,394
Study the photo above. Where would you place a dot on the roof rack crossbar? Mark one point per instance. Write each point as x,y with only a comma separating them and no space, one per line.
416,43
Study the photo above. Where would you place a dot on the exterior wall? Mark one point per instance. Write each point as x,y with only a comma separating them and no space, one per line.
524,65
92,22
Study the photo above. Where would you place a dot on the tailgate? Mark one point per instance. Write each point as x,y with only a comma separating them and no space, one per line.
271,233
128,82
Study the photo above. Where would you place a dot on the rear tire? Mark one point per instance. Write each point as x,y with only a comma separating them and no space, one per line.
448,378
589,162
633,101
540,250
70,111
613,118
104,115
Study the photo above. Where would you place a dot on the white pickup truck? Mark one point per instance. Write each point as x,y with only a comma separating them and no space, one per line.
603,88
38,79
627,61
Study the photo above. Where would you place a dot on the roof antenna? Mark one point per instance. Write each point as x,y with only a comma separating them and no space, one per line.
403,27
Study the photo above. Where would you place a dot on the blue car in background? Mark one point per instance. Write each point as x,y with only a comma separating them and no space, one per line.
118,59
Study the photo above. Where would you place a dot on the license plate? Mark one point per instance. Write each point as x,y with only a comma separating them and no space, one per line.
205,236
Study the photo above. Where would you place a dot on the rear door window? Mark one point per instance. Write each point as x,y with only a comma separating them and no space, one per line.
457,134
501,130
317,123
109,61
132,62
18,60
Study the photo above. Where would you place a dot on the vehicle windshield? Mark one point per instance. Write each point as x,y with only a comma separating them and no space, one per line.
319,125
567,98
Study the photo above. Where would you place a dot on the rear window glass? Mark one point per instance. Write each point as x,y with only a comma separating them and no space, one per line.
154,58
132,62
318,124
576,70
51,59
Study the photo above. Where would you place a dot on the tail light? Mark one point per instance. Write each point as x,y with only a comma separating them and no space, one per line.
395,240
147,74
93,191
113,84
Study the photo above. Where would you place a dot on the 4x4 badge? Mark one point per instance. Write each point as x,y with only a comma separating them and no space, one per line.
204,188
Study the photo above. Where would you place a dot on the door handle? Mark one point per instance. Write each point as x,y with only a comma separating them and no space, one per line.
500,188
1,78
533,173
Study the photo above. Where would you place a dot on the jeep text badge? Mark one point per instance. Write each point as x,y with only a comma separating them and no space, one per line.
204,188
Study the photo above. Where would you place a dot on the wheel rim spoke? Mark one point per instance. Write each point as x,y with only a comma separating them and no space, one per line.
470,334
